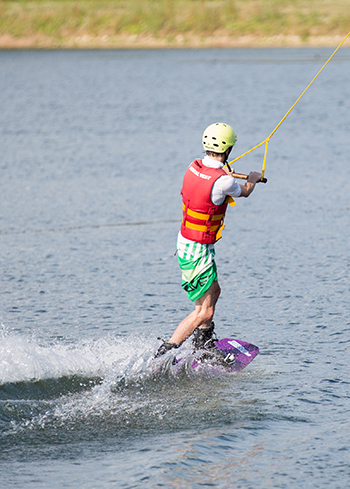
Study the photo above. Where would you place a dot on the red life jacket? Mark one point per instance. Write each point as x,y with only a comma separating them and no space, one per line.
202,220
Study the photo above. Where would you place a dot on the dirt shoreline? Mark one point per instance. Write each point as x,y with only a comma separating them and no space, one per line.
221,40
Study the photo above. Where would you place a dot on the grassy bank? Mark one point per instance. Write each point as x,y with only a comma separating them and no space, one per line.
137,23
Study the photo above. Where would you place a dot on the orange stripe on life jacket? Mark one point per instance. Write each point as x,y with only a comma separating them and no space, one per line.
201,227
200,215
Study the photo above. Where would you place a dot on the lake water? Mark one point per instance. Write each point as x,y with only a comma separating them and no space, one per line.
94,145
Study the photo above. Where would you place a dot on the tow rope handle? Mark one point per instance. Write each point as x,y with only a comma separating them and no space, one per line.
245,177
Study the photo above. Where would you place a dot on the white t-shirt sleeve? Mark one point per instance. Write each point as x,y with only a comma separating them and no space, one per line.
224,186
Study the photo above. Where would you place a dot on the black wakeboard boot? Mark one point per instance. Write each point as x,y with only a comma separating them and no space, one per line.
165,347
204,338
204,341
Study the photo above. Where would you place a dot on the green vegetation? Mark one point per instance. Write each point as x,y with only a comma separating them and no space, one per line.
50,23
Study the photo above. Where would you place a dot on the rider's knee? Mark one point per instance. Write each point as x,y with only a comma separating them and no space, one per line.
206,314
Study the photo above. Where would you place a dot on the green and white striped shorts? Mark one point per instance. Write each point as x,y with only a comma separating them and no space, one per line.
198,266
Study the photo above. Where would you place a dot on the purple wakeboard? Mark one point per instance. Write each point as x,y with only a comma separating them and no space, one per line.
229,355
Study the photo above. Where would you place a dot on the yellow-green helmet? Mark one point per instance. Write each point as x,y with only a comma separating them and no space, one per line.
219,137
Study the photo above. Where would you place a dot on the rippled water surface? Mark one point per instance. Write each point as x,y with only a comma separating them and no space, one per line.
94,145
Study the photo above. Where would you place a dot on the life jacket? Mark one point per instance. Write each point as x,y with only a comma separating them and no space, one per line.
202,220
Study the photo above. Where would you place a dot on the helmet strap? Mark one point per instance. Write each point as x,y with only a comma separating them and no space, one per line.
227,154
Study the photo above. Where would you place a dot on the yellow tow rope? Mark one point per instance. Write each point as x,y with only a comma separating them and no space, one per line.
266,141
